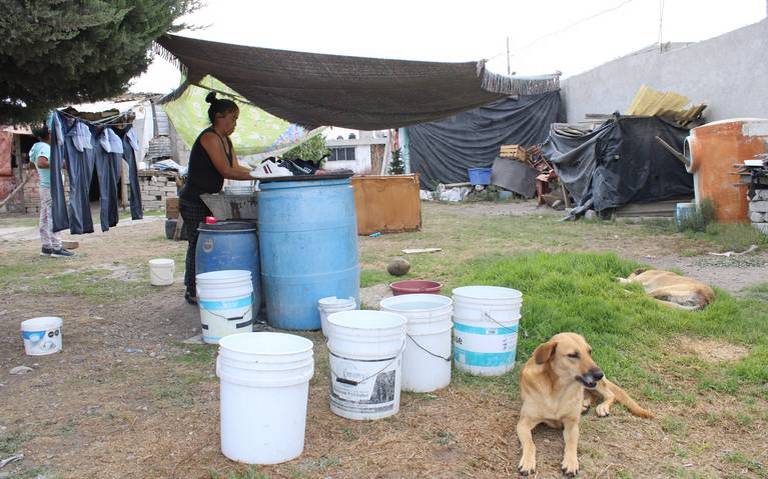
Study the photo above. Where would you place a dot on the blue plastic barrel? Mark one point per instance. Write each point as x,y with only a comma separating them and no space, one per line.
230,245
308,239
479,176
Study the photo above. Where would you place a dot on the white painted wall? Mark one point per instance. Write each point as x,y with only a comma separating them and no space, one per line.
362,163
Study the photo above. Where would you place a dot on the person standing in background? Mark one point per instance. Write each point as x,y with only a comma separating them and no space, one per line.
40,155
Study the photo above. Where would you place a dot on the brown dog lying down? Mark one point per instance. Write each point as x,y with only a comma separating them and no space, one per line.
552,387
672,289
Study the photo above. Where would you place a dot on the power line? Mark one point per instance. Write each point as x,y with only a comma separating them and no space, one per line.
567,27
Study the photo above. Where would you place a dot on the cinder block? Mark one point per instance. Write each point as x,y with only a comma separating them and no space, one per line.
758,206
761,195
756,217
761,227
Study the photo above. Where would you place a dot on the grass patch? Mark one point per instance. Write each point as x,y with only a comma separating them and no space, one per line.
199,355
370,277
19,221
10,442
731,237
628,331
249,472
752,465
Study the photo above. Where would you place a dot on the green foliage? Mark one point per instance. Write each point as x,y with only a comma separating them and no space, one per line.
313,150
579,293
397,165
54,52
700,216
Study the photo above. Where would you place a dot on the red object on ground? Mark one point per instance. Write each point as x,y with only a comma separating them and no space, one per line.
415,286
210,220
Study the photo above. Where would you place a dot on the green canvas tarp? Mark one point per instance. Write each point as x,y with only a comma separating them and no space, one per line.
257,131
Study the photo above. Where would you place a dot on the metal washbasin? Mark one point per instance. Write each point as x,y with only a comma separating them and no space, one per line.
226,206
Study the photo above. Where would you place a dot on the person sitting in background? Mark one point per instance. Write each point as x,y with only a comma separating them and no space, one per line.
39,155
211,160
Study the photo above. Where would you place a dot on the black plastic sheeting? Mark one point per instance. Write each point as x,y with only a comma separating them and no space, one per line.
441,151
620,162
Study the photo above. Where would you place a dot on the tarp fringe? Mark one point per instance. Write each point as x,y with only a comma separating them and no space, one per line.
160,51
528,85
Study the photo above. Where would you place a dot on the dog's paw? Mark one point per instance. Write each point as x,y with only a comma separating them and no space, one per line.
570,467
526,467
603,410
585,408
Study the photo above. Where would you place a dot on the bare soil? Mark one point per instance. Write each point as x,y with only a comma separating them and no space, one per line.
127,398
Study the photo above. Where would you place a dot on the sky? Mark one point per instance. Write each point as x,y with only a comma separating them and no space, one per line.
570,36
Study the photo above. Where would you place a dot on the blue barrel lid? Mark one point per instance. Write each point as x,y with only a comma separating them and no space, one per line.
228,226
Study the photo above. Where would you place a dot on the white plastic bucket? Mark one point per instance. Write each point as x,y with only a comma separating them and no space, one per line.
264,387
331,305
427,355
485,324
161,271
225,300
365,355
41,335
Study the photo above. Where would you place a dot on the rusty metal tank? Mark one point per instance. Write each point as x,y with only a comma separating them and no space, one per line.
714,151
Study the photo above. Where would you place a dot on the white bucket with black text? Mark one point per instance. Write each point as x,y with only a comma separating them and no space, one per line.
485,325
331,305
365,355
225,302
41,335
264,388
161,271
427,355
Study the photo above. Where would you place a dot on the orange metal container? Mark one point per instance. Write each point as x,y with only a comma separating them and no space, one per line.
715,150
387,204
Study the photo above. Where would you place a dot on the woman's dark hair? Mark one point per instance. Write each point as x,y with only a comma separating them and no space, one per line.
41,132
218,106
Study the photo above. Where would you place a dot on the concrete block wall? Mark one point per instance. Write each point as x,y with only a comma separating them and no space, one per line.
729,73
155,188
758,210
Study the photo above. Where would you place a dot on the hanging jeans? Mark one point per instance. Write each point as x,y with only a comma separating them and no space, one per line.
129,154
59,216
108,173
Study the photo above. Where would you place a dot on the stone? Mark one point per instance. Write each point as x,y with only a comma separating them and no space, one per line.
756,217
590,215
398,267
761,195
21,370
758,206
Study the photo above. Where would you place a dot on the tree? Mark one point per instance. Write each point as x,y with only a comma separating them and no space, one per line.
397,165
312,150
55,52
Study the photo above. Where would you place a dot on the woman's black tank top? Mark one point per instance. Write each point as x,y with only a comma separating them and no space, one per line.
202,176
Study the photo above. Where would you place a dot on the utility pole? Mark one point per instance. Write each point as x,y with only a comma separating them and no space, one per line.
509,69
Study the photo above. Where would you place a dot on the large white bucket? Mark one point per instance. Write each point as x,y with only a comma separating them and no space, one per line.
427,356
264,387
161,271
486,320
365,354
331,305
41,335
225,302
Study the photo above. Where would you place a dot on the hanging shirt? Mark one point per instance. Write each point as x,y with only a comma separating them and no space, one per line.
42,149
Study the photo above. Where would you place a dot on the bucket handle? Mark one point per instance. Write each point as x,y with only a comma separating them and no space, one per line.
448,359
351,382
490,318
235,318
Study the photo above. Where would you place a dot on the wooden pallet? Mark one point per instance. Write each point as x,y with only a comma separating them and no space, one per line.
517,152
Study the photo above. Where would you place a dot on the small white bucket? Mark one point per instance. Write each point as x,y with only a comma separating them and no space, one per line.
264,387
225,299
161,271
41,335
331,305
365,354
427,356
486,320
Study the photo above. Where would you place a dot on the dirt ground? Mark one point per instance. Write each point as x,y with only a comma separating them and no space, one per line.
128,398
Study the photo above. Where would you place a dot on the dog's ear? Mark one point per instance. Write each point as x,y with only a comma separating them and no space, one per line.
544,352
639,271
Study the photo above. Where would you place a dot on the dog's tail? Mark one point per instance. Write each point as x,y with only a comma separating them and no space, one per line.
628,402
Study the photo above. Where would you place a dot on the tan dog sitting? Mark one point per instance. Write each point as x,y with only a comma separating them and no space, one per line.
552,387
672,289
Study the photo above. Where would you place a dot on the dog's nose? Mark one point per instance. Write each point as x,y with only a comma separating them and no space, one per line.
596,373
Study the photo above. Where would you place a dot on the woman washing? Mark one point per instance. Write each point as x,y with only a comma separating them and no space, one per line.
211,160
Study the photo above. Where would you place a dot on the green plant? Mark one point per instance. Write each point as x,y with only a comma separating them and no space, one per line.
313,150
397,165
